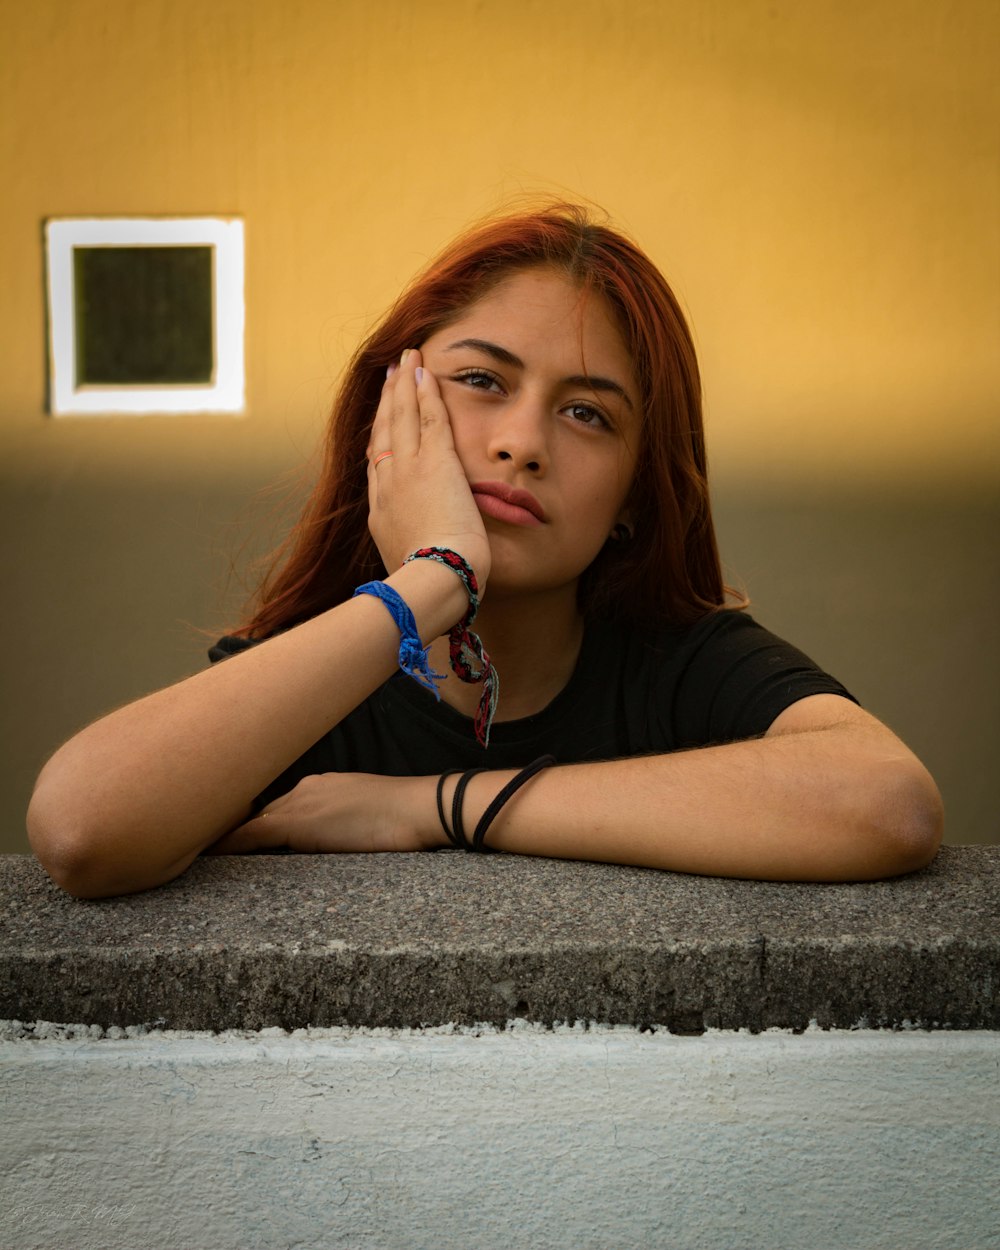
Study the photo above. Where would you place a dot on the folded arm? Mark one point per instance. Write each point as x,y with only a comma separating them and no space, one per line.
131,800
828,794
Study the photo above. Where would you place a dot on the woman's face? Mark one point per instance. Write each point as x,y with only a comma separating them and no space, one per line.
542,398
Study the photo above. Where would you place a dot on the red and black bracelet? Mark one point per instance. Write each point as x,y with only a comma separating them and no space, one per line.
469,661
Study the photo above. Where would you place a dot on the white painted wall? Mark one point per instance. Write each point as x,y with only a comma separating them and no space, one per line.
600,1139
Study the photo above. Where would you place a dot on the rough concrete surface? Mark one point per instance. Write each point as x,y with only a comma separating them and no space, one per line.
409,940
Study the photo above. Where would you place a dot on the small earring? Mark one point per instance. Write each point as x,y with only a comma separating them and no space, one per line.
621,533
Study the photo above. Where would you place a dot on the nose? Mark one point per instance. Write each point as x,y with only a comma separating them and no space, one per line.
519,435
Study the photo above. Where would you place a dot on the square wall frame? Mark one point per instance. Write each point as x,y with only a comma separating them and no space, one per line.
216,386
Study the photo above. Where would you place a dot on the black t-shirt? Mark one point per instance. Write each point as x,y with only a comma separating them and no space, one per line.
632,692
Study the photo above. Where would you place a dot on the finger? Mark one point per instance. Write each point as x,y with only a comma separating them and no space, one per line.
379,465
372,492
379,436
435,422
404,409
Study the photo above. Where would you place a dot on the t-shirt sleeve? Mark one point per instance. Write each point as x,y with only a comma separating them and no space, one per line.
736,678
230,645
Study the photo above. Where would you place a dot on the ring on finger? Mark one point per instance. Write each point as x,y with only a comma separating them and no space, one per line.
383,455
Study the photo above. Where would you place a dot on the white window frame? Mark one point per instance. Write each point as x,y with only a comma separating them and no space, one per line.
224,393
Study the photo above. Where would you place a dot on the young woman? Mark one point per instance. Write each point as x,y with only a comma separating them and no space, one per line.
522,434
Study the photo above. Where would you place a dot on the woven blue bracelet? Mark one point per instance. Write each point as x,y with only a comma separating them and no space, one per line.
413,658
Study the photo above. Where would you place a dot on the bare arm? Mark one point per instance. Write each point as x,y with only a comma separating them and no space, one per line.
130,801
829,794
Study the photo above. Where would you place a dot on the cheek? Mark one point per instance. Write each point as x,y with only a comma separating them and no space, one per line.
597,511
626,479
614,485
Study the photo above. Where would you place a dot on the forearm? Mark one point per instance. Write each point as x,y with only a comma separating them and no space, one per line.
837,804
132,799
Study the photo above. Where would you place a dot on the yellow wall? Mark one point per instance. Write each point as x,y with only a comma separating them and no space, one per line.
818,179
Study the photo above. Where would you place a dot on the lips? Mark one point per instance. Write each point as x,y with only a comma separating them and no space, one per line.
504,503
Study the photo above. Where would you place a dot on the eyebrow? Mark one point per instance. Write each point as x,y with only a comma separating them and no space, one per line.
505,357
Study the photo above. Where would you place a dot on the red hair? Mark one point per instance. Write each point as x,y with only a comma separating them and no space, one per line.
668,572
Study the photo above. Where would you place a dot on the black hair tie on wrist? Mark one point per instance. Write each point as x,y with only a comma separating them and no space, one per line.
457,823
456,834
440,805
509,790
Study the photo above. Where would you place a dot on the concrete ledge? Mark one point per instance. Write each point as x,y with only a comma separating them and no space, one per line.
411,940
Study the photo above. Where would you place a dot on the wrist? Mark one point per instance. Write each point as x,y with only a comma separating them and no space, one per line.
436,600
435,596
421,800
469,803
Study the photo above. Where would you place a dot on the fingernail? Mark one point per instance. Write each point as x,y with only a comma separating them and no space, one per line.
406,352
418,373
391,369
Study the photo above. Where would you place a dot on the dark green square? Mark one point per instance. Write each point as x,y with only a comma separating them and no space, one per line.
143,315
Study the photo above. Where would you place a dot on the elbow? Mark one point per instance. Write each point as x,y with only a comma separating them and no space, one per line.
71,842
90,855
67,864
908,820
59,832
66,852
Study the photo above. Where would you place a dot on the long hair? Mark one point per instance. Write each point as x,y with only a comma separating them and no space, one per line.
668,572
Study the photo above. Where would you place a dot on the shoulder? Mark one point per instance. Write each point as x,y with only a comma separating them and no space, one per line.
721,640
722,678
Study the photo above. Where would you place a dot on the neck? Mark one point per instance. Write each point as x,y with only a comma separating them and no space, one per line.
533,642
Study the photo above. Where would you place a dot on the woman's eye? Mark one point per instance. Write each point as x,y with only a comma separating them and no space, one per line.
587,415
479,379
